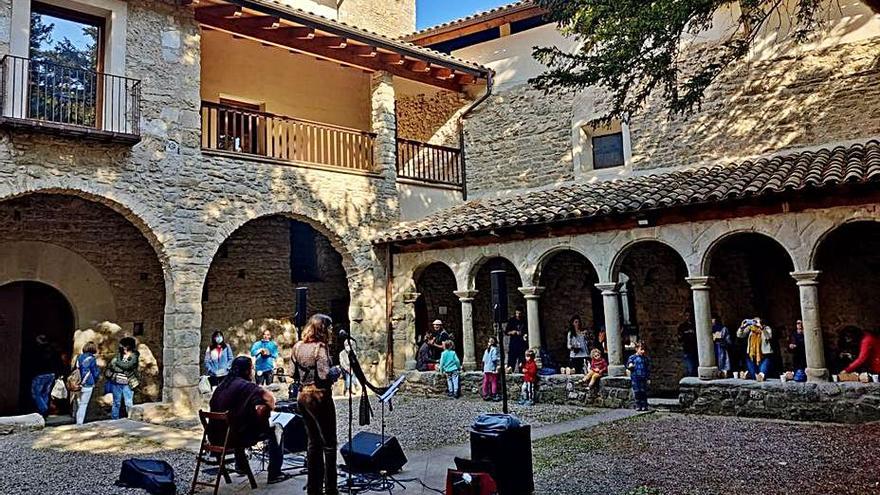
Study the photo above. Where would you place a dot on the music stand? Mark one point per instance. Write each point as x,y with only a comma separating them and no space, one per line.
383,399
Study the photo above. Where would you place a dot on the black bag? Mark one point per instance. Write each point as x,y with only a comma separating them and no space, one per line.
156,477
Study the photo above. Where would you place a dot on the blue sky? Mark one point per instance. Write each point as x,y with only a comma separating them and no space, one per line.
433,12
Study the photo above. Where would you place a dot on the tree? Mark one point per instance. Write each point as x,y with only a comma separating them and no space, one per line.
633,48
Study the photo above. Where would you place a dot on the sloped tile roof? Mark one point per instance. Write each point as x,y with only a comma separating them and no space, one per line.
804,170
477,16
357,31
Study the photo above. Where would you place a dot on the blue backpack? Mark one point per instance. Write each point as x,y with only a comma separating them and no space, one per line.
156,477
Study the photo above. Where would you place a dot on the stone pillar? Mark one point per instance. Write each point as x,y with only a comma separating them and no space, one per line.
708,367
181,345
384,124
411,346
808,286
613,331
467,328
533,316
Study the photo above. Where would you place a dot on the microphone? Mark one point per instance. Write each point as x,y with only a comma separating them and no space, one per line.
345,335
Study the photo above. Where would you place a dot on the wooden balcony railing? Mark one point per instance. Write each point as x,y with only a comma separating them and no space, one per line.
429,163
237,130
50,96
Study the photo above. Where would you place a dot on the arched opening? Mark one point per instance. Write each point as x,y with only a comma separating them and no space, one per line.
484,325
849,259
250,286
655,304
751,276
29,310
569,282
101,261
436,285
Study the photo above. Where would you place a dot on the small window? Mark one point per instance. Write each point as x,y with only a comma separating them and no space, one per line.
608,151
303,253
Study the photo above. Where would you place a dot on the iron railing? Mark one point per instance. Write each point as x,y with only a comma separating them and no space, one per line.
237,130
429,163
43,91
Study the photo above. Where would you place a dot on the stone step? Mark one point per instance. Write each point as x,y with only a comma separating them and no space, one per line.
664,404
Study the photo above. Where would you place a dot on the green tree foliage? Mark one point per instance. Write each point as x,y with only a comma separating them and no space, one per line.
634,48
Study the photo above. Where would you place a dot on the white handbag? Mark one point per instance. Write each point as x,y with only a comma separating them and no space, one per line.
204,385
59,390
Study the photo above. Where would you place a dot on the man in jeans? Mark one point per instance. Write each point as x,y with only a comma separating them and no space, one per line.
46,365
265,352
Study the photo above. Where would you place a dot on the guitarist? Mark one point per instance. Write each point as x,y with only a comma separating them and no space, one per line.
248,406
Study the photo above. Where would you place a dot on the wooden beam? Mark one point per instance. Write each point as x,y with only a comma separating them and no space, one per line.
441,73
225,10
362,50
281,37
299,32
465,78
418,66
258,22
466,29
330,41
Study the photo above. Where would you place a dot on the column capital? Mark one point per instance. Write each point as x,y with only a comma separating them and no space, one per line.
411,297
806,277
699,283
531,292
465,295
608,288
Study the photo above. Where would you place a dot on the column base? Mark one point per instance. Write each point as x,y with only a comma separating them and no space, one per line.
817,374
409,365
708,372
469,366
616,370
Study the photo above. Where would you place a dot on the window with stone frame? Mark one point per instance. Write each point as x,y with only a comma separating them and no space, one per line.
604,147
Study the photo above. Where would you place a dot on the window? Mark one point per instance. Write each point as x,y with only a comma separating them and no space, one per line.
608,151
65,51
303,253
239,126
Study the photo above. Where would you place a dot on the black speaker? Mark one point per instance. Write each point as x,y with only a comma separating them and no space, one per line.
499,296
295,438
510,454
367,454
302,308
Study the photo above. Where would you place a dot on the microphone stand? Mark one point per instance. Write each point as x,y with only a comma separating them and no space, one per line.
349,487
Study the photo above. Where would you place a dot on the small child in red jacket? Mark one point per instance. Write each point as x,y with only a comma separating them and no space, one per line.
530,379
598,368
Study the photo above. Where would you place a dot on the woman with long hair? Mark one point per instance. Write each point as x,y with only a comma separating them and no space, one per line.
123,376
218,359
311,358
578,344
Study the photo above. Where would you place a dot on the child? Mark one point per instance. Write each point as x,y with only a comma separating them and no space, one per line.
491,360
530,379
639,367
598,368
451,367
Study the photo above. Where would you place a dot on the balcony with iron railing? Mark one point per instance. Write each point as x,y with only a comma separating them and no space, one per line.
43,96
233,131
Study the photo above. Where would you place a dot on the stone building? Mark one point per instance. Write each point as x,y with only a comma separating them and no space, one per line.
762,203
190,164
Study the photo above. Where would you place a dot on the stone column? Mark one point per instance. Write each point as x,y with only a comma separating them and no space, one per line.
613,331
808,286
708,368
181,344
411,346
467,328
384,124
533,315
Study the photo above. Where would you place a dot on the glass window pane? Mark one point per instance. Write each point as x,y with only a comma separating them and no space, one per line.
608,151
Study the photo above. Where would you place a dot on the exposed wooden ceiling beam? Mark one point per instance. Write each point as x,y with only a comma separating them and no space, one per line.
319,48
441,73
225,10
362,50
453,32
300,32
418,66
259,22
392,58
330,41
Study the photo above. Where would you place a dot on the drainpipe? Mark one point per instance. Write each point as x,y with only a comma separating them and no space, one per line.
490,80
389,311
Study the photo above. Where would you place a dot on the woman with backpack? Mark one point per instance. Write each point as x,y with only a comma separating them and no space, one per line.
122,375
87,370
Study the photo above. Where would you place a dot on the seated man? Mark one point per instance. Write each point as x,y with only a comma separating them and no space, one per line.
425,359
248,406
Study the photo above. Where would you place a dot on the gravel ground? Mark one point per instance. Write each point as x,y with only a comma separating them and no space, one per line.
50,462
424,423
680,455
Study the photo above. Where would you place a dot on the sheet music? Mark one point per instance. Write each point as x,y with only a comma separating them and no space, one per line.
280,418
392,390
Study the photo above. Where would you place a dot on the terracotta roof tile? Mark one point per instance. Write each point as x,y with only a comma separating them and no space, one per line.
856,163
500,10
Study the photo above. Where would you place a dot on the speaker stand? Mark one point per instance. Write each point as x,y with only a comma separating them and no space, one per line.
500,338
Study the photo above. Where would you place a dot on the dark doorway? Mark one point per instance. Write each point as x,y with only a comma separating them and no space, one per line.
28,309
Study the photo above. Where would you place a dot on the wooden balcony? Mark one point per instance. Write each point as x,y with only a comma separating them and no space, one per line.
429,163
260,134
50,98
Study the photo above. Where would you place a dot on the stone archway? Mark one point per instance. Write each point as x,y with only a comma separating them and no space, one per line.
655,300
751,276
436,287
848,259
569,281
484,326
250,285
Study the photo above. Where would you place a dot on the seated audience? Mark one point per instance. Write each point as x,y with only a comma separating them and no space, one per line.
598,368
869,354
425,358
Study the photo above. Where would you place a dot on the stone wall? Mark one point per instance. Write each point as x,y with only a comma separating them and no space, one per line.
519,138
393,18
430,117
523,138
121,255
847,402
569,281
662,300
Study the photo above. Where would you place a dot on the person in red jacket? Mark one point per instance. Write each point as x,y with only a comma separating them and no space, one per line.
869,354
530,379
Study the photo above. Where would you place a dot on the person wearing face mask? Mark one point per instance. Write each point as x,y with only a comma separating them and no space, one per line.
218,359
265,352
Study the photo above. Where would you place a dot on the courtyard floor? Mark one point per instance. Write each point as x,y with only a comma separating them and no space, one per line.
576,451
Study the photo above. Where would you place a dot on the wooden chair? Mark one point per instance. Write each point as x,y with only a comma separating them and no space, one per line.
212,454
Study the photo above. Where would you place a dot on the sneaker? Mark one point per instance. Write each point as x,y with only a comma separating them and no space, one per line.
280,478
760,377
